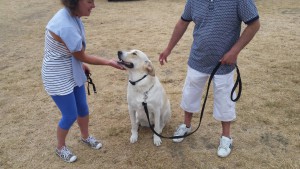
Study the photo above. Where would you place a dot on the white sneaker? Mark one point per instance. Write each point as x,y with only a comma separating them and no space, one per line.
225,146
66,154
92,142
181,131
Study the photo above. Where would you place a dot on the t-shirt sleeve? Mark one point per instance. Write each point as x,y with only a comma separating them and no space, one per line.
187,13
72,38
63,26
247,11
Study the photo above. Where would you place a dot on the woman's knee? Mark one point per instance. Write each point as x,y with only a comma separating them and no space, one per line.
67,122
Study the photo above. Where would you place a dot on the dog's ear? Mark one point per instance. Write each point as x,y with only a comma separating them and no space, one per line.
149,68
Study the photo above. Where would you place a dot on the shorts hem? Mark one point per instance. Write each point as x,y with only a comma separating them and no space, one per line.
184,109
225,120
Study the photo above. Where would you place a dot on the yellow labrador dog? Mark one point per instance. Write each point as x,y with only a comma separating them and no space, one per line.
144,86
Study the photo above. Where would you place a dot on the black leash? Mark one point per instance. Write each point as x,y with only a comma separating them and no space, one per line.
238,82
90,81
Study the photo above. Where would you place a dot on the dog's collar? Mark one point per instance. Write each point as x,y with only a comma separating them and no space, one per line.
134,82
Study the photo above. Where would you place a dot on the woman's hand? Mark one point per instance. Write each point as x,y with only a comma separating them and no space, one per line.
86,69
115,64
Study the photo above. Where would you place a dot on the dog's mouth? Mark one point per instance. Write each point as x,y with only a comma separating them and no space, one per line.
122,62
126,64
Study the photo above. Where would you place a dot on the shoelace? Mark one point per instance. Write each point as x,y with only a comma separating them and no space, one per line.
179,131
225,144
65,152
91,140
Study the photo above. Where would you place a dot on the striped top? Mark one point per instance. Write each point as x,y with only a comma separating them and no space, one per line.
217,28
61,72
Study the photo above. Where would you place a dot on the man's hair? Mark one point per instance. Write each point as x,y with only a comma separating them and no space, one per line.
71,5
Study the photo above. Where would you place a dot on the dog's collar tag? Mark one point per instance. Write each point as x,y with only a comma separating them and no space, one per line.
134,82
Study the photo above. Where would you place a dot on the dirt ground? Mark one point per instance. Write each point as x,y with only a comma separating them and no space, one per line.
266,133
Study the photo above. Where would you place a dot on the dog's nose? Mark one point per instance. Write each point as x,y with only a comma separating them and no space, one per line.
119,53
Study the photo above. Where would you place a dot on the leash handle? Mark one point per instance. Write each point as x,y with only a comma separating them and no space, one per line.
90,81
237,83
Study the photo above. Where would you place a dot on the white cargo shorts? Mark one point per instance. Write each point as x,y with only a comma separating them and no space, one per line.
224,107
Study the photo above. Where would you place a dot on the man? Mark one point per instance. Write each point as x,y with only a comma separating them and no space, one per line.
216,39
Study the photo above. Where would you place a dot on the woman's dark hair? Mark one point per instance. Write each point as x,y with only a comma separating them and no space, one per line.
71,5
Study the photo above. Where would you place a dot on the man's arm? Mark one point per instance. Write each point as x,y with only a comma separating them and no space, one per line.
249,32
178,32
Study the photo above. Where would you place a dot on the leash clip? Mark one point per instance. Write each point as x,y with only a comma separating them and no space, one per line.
145,96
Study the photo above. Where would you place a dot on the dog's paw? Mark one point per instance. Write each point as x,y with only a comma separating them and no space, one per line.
133,138
156,140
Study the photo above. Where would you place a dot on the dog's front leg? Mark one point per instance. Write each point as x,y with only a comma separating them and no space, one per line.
134,126
156,139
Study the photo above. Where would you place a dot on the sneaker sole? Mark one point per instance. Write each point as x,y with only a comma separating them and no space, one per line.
97,148
91,146
72,159
179,139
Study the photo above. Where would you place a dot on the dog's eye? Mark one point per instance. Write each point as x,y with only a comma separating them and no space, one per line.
134,53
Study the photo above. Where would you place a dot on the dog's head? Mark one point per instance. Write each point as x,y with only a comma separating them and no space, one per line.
136,60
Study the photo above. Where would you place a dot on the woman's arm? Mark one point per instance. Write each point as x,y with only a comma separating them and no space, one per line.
90,59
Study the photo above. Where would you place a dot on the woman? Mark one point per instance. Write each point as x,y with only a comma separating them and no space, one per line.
63,71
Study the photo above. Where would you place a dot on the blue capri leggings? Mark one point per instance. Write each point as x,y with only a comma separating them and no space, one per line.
71,106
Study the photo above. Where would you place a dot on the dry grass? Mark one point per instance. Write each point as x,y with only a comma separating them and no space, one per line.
266,133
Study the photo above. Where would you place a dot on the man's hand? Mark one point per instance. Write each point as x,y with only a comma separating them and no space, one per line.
163,57
229,58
